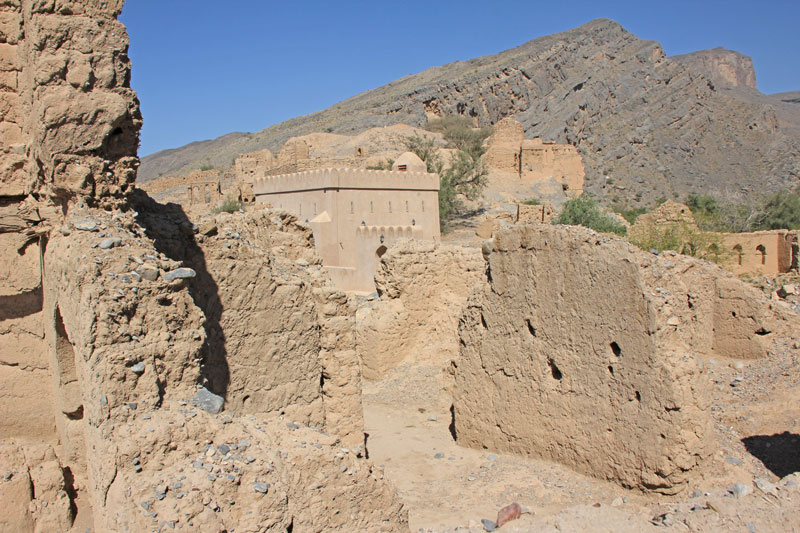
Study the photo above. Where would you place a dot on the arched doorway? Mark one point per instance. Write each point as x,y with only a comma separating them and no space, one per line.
763,251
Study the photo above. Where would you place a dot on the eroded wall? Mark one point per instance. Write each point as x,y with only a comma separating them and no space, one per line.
582,349
69,123
423,287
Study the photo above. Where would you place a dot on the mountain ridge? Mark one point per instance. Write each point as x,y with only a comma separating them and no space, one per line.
647,126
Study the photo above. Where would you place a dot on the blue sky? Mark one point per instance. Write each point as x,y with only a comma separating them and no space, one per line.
203,69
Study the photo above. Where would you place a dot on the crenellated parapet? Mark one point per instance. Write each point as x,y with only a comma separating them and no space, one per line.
345,178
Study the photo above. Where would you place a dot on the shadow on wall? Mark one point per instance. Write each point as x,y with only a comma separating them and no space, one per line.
173,235
780,453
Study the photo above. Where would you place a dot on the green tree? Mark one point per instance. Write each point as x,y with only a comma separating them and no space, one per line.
466,174
584,211
781,211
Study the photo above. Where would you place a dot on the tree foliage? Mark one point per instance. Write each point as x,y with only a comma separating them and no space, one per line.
780,210
584,211
465,175
459,133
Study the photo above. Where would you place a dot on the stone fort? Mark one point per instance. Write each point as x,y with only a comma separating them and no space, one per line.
356,214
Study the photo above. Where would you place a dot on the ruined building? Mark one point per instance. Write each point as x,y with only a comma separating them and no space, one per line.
356,214
118,346
754,253
555,170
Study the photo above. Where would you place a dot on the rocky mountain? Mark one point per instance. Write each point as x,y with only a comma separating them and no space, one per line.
725,68
647,126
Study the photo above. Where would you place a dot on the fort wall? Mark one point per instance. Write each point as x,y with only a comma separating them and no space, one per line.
355,212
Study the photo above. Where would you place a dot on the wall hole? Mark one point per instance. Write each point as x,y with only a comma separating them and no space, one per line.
616,349
554,370
638,396
611,369
531,329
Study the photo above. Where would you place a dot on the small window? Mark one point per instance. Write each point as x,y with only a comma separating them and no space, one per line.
301,209
402,168
315,208
351,208
406,206
390,207
371,209
423,206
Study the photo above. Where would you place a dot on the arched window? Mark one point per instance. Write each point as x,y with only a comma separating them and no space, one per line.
738,251
763,251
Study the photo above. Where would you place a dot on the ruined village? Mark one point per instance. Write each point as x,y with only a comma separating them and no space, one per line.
302,340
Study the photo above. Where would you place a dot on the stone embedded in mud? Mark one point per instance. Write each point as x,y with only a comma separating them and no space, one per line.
111,242
138,369
740,490
86,225
261,487
208,401
148,272
488,525
180,273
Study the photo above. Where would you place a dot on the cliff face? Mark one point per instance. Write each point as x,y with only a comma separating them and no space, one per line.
725,68
646,126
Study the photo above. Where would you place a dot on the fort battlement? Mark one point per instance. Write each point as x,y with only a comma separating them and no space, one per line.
345,178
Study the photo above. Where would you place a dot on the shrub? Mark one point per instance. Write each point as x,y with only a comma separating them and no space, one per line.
382,165
532,201
230,205
681,237
584,211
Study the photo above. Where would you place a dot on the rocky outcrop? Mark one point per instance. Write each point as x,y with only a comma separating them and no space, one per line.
645,125
583,350
725,68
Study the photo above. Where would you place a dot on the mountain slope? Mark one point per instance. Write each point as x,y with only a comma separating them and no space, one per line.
646,126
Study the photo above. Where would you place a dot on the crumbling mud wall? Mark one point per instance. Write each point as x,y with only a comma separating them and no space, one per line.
116,324
69,122
280,338
561,358
128,347
584,350
68,129
423,287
